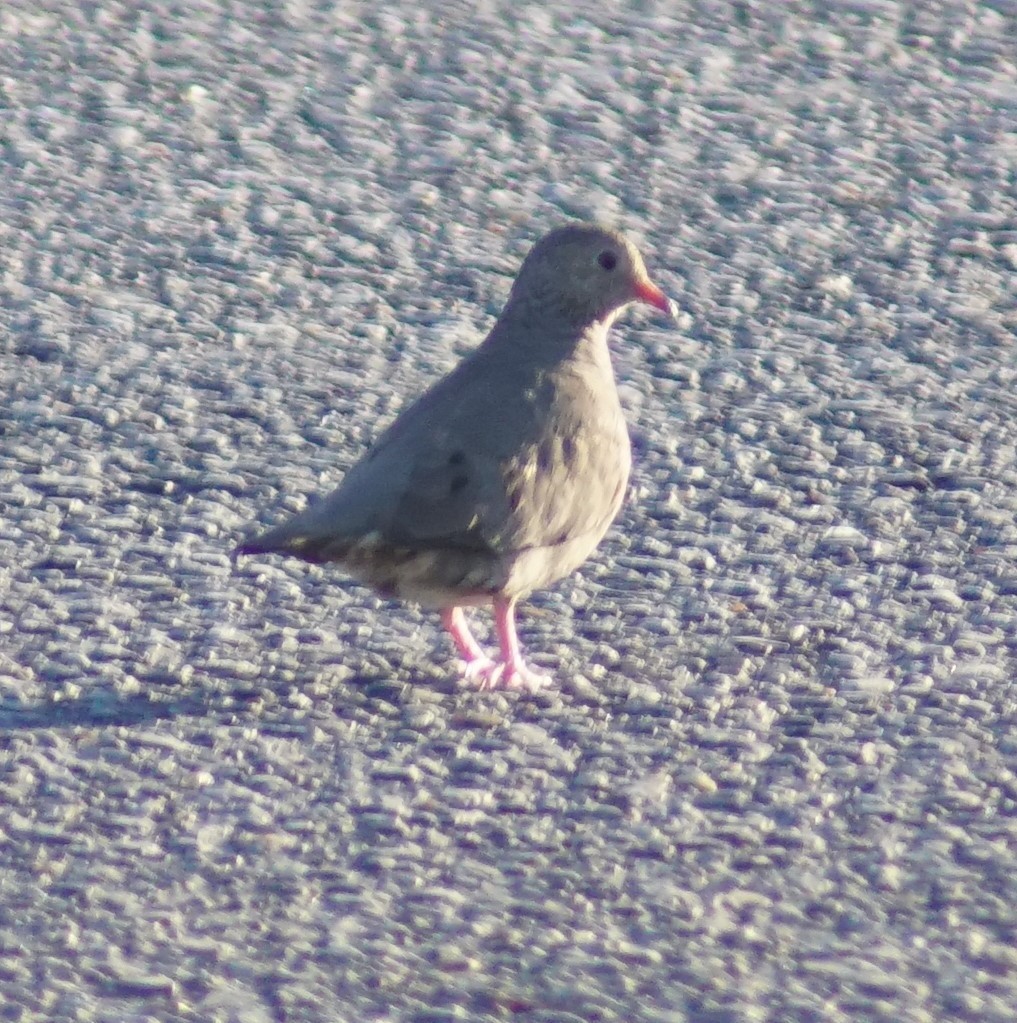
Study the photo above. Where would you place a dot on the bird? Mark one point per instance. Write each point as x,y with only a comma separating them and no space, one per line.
503,476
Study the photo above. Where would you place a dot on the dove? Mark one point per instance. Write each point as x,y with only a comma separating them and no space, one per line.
503,476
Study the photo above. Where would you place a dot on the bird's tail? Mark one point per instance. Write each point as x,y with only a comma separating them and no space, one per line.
289,538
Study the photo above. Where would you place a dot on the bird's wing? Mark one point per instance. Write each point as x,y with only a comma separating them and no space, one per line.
480,462
539,470
432,480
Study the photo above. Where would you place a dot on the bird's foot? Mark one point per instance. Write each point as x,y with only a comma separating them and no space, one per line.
488,674
478,669
509,671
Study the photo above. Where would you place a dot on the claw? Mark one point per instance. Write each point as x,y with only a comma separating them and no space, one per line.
488,674
510,670
479,669
526,680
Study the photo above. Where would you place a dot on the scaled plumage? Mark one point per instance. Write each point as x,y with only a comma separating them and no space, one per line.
504,476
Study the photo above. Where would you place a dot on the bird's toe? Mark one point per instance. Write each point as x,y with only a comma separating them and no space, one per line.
487,674
483,672
525,679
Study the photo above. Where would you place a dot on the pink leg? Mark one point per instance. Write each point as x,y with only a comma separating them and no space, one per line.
477,662
512,672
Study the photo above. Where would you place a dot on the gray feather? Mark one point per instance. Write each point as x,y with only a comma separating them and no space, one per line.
505,475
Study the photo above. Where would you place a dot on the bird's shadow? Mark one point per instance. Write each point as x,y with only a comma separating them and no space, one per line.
103,709
100,710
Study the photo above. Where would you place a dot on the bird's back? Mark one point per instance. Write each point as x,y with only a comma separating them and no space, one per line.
502,477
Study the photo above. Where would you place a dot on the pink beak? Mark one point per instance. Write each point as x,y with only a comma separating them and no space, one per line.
652,295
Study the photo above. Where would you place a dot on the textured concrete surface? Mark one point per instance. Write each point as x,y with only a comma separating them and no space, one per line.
775,778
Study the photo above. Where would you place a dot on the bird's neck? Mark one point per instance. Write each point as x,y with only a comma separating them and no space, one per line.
549,339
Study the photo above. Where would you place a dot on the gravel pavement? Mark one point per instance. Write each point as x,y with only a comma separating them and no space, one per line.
775,777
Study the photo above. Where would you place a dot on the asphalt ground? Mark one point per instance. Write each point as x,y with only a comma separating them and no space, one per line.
774,777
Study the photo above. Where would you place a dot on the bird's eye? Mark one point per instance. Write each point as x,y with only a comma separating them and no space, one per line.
607,259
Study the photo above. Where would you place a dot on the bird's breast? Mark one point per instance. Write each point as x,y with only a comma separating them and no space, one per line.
565,486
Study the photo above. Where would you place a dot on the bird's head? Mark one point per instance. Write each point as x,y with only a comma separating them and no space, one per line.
585,274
